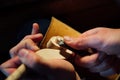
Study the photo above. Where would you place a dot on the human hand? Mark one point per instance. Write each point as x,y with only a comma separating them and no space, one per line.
29,41
24,53
55,69
107,43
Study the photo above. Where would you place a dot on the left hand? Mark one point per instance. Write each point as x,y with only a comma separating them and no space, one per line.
24,53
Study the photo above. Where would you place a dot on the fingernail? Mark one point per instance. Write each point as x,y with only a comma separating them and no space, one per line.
67,38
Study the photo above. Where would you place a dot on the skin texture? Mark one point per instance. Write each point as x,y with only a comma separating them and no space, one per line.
24,52
106,41
105,60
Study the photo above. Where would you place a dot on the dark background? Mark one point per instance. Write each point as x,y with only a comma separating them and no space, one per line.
79,14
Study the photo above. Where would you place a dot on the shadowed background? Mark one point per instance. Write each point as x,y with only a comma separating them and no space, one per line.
79,14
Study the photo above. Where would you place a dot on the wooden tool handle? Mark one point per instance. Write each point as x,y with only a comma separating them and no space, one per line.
17,74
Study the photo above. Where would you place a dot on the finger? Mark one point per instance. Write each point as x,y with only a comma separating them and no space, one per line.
79,43
35,28
36,37
10,66
86,40
74,42
86,61
28,44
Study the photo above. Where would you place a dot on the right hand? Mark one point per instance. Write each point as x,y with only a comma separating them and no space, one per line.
107,43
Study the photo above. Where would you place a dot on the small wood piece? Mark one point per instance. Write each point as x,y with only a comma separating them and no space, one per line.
50,54
53,43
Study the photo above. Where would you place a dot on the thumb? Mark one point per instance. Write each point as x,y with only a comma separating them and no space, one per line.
83,42
88,39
